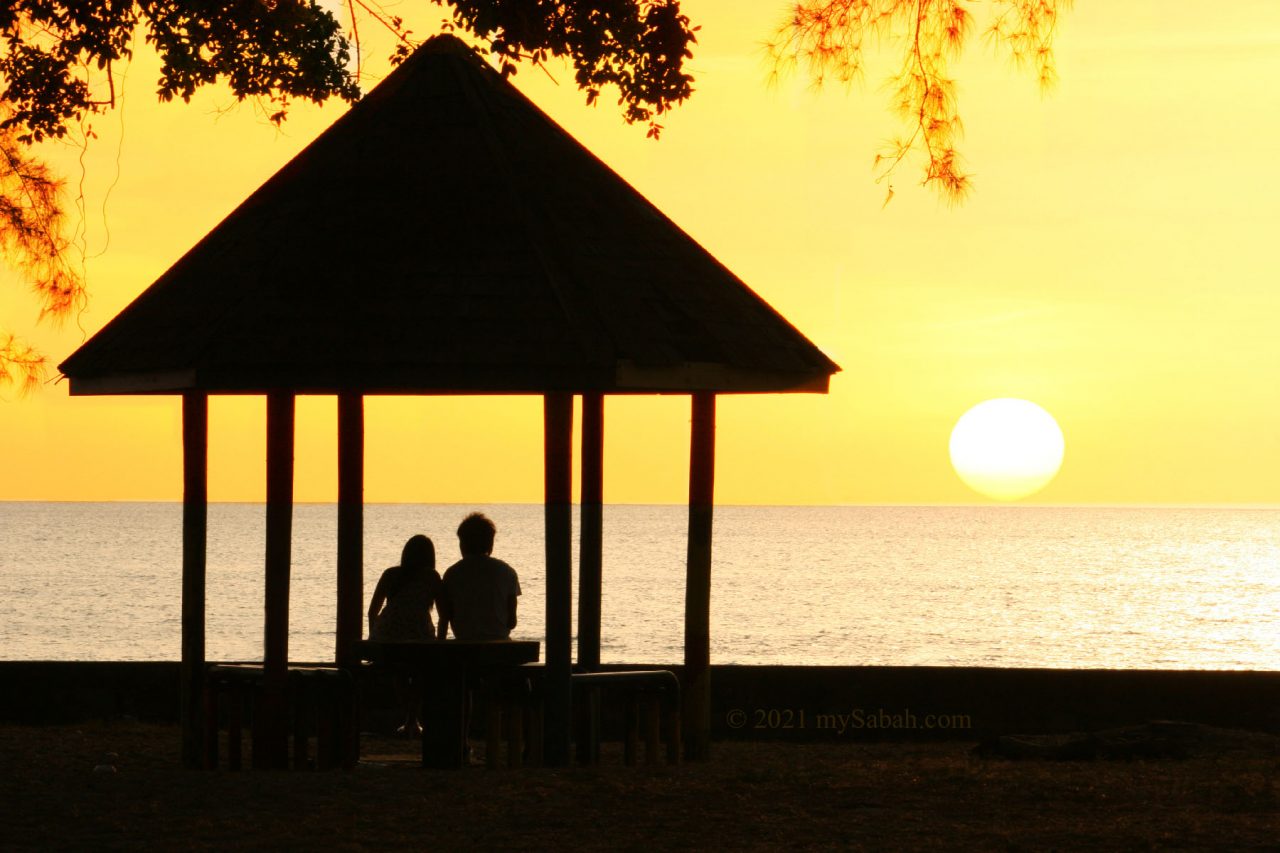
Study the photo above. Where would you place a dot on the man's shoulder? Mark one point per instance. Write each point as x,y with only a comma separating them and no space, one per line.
501,570
478,565
454,570
471,565
509,579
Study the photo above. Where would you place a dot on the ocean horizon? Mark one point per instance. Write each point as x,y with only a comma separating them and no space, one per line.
1130,587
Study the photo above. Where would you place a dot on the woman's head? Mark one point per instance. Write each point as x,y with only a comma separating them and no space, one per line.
418,554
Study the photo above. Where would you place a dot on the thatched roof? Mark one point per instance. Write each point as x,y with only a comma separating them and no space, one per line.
445,235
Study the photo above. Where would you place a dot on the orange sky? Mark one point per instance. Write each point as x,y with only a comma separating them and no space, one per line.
1115,265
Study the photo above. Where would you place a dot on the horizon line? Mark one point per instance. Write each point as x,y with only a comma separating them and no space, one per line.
927,505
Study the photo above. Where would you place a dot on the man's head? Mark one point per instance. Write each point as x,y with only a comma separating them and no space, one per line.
475,535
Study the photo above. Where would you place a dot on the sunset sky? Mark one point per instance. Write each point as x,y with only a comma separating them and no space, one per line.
1117,264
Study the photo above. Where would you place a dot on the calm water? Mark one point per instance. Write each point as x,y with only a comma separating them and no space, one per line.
990,586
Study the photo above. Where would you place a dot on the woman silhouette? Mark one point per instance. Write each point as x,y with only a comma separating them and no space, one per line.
401,610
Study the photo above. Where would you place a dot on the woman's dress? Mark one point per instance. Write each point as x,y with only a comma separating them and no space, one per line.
407,613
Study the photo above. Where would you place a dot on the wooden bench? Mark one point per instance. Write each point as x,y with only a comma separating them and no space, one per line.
322,706
650,698
511,700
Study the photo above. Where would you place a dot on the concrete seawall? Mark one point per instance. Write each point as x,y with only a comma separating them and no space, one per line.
770,702
862,703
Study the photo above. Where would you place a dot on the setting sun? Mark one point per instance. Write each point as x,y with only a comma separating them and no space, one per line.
1006,448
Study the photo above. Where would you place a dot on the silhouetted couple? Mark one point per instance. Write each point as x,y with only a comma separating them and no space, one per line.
476,597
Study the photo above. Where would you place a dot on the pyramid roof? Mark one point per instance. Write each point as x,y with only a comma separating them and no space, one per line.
446,236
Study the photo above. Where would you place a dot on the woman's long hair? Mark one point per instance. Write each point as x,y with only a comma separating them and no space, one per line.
417,559
419,554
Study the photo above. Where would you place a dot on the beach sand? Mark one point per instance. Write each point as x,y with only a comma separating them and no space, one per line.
750,795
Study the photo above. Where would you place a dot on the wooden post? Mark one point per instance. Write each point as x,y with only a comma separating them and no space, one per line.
210,726
590,569
492,732
444,733
350,622
350,618
697,595
631,726
591,533
275,658
234,734
195,515
558,477
515,736
652,728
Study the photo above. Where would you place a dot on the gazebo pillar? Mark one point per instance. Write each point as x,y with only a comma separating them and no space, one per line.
591,531
350,617
350,620
272,748
696,695
558,480
195,515
590,567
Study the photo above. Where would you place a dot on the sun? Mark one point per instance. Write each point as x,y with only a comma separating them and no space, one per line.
1006,448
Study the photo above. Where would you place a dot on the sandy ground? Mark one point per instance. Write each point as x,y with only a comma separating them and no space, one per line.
750,795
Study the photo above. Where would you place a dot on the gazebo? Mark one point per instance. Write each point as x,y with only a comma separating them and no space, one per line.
446,237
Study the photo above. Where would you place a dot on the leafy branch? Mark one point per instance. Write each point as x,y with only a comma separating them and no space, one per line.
828,38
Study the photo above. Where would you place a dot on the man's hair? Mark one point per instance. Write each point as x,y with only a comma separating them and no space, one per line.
475,534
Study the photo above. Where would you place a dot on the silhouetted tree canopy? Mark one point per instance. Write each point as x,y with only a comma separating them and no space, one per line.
57,59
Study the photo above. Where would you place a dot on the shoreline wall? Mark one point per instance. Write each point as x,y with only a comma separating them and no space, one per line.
831,703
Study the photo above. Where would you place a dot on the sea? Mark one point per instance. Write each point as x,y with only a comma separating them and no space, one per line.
998,586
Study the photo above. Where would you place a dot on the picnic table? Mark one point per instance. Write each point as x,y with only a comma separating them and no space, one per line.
443,667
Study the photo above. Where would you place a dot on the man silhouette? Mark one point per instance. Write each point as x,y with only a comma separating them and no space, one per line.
480,591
